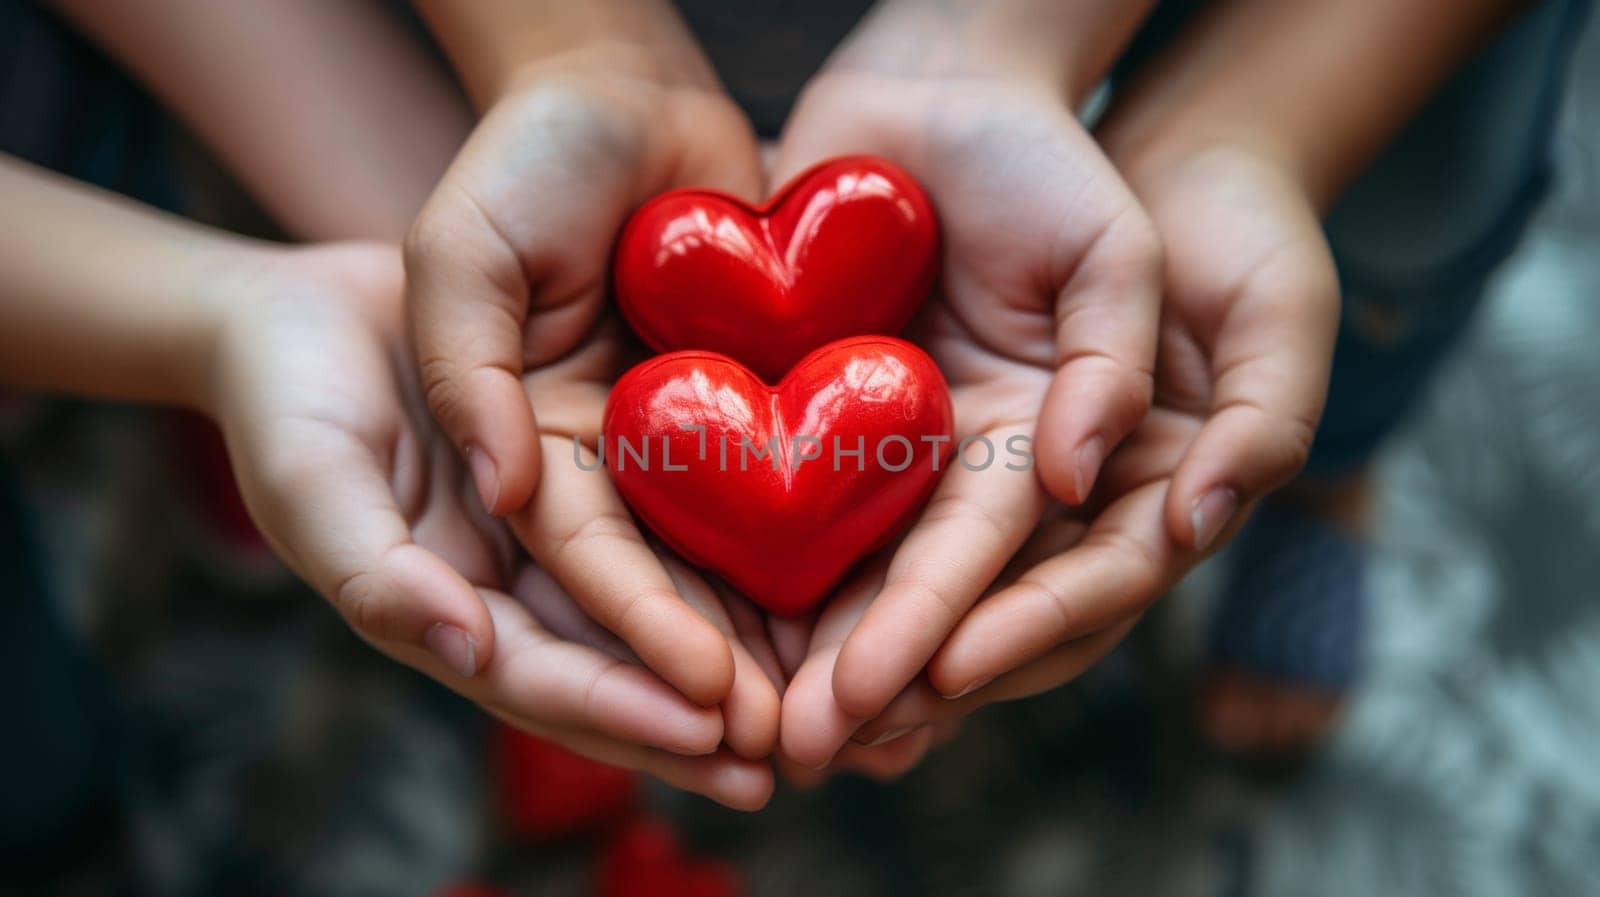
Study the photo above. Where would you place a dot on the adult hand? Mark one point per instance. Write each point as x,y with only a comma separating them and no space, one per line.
508,276
353,486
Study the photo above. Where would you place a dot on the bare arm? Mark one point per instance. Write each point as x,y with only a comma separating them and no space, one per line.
99,296
488,41
330,115
1317,87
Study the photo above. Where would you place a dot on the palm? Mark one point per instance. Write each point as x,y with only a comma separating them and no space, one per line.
508,268
349,479
1044,324
321,366
1249,305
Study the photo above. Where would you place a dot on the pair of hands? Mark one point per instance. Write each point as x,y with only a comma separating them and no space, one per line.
1162,398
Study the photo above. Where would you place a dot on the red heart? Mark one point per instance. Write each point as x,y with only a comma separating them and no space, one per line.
849,247
645,860
547,791
785,536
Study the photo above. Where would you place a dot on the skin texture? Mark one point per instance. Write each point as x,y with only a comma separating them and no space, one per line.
507,272
300,357
1233,172
1045,324
328,113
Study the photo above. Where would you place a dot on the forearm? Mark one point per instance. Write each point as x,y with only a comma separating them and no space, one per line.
1319,88
1069,45
100,297
332,117
491,41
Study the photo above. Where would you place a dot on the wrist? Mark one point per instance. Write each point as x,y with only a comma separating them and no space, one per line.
1065,48
222,284
497,44
1150,145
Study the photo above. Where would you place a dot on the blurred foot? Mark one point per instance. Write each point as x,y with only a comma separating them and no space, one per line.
1288,638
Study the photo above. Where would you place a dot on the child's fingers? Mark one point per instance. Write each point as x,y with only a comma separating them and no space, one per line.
1122,564
578,530
890,760
325,504
539,679
1107,318
750,711
732,781
750,627
814,726
556,611
791,640
920,705
467,297
975,522
1271,363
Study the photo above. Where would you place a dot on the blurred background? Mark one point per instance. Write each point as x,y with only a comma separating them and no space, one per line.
243,742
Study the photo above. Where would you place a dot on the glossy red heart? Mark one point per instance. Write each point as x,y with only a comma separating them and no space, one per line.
759,483
850,247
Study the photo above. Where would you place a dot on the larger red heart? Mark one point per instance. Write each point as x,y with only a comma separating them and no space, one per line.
850,247
780,490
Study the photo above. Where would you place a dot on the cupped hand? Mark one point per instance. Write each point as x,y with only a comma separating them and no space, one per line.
507,268
350,481
1249,322
1044,322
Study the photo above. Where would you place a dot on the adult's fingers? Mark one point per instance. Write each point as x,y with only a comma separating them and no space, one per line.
1122,564
578,530
814,727
1270,366
323,500
1107,317
972,526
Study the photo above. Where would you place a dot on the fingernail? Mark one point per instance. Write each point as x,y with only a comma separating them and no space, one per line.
484,476
1090,456
1210,514
969,689
454,647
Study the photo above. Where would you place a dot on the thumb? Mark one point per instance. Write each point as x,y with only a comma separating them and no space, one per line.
1273,359
333,516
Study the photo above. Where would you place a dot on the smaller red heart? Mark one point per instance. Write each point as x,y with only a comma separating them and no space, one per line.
780,489
546,791
645,860
849,247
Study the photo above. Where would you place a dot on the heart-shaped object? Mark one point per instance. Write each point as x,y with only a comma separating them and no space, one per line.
780,489
850,247
546,791
645,859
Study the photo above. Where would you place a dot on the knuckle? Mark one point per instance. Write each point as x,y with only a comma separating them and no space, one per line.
442,389
959,509
602,528
358,600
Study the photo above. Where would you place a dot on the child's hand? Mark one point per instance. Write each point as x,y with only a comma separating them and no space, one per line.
508,272
1251,310
349,481
1045,325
